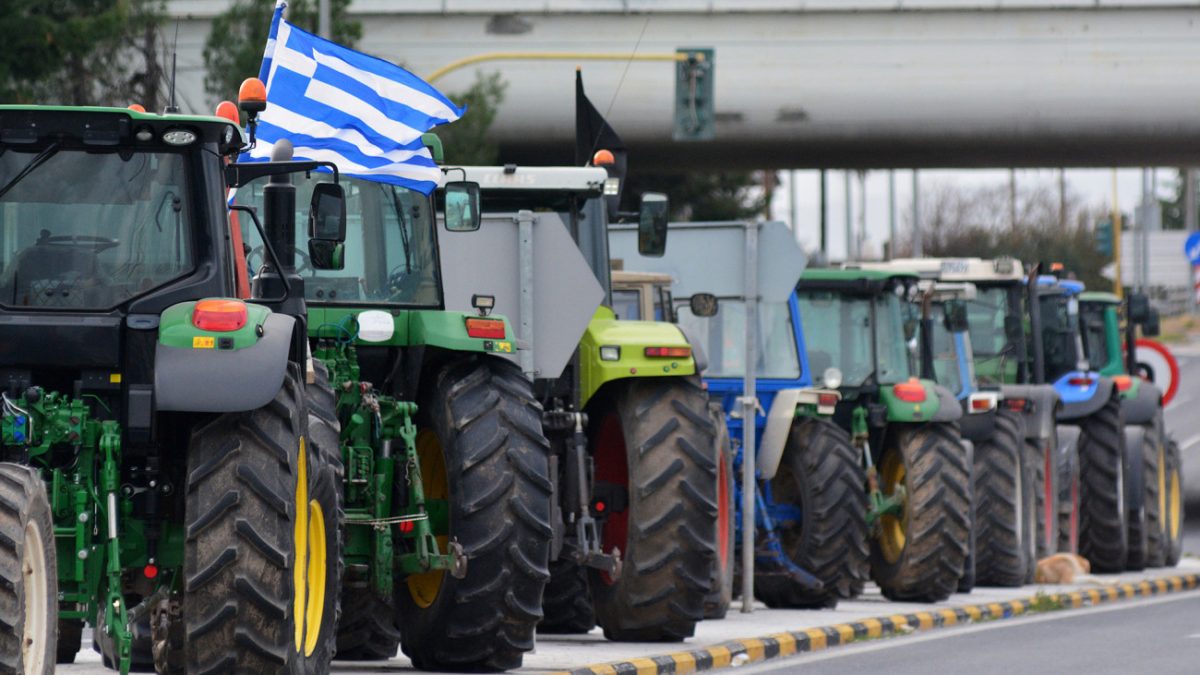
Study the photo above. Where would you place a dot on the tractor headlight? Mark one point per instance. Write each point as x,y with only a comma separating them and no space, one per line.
831,378
610,353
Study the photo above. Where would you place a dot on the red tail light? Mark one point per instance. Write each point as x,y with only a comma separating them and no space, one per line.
826,400
981,404
1016,404
909,392
219,316
1080,381
1123,382
486,328
668,352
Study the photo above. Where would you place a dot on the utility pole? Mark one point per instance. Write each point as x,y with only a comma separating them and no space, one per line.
916,217
861,237
1116,234
795,210
824,215
1062,199
1012,198
851,254
324,19
891,214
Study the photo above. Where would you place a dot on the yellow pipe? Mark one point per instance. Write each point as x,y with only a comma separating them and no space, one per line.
552,56
1116,237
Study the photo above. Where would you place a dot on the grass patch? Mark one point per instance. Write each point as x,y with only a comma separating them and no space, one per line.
1045,602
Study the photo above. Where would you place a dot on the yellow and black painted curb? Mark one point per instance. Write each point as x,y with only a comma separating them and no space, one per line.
777,645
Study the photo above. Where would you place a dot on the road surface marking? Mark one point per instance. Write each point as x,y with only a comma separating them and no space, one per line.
1188,443
851,650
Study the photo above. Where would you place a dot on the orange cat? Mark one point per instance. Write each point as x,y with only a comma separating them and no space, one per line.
1063,568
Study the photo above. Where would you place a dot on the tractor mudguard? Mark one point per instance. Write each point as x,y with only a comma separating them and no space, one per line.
977,426
631,338
1103,390
698,354
949,409
779,425
1039,412
204,379
1143,405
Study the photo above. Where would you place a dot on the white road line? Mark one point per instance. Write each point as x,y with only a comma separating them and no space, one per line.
1189,442
954,631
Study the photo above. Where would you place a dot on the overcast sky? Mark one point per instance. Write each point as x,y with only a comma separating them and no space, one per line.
1094,186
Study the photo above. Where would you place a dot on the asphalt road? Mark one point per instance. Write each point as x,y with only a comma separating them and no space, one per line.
1158,636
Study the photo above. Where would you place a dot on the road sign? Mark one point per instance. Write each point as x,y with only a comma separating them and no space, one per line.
1157,364
1191,248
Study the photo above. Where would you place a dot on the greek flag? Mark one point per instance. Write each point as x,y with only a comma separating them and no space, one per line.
337,105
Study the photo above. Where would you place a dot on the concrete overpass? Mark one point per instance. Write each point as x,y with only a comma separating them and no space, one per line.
818,83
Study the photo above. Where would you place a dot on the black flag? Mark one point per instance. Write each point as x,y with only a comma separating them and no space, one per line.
592,134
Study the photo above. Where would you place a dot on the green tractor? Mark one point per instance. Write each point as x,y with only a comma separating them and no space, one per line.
447,486
163,478
1152,487
632,439
858,325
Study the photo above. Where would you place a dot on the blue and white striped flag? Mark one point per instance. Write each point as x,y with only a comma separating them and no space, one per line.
337,105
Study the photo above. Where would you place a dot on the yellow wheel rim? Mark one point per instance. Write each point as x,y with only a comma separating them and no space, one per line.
299,577
1163,516
891,536
424,587
316,577
1176,507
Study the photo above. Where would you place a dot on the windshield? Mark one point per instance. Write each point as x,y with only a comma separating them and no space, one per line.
627,304
390,255
1095,334
1058,335
945,352
723,338
841,332
996,358
90,230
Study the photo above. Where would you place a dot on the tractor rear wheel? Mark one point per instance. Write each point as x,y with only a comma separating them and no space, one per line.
1172,505
1103,520
482,451
920,554
822,477
1002,511
1154,469
720,594
261,543
655,443
567,603
1138,440
28,574
70,639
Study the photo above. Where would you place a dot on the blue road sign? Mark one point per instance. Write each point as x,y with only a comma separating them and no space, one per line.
1191,248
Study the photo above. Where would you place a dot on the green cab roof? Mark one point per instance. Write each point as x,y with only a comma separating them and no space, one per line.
15,119
832,274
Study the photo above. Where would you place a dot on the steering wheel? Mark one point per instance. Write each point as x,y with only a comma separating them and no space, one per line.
83,240
305,261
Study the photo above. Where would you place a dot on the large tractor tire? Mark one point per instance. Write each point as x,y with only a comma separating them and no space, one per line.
1154,469
1137,493
655,443
260,557
567,604
1103,519
1066,462
720,594
920,556
70,639
1040,460
1172,505
822,476
966,583
28,574
482,450
1006,529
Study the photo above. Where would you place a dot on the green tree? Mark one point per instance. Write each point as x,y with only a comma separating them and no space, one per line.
705,196
234,48
80,52
467,141
1172,209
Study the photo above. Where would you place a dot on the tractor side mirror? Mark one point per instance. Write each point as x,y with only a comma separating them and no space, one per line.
462,206
652,225
327,213
326,254
955,317
703,304
1138,309
1150,328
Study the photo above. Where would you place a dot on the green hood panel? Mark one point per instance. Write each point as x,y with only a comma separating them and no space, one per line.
175,329
631,338
434,328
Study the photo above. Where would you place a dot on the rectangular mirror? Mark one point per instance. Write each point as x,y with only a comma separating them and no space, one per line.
462,206
327,213
1151,328
652,224
1138,308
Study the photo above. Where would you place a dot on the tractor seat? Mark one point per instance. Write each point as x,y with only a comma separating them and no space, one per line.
48,275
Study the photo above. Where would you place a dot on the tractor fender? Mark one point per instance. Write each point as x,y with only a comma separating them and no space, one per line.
780,419
1039,413
1143,406
697,350
1105,390
221,381
949,409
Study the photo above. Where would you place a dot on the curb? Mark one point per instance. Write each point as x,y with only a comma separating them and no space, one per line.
776,645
